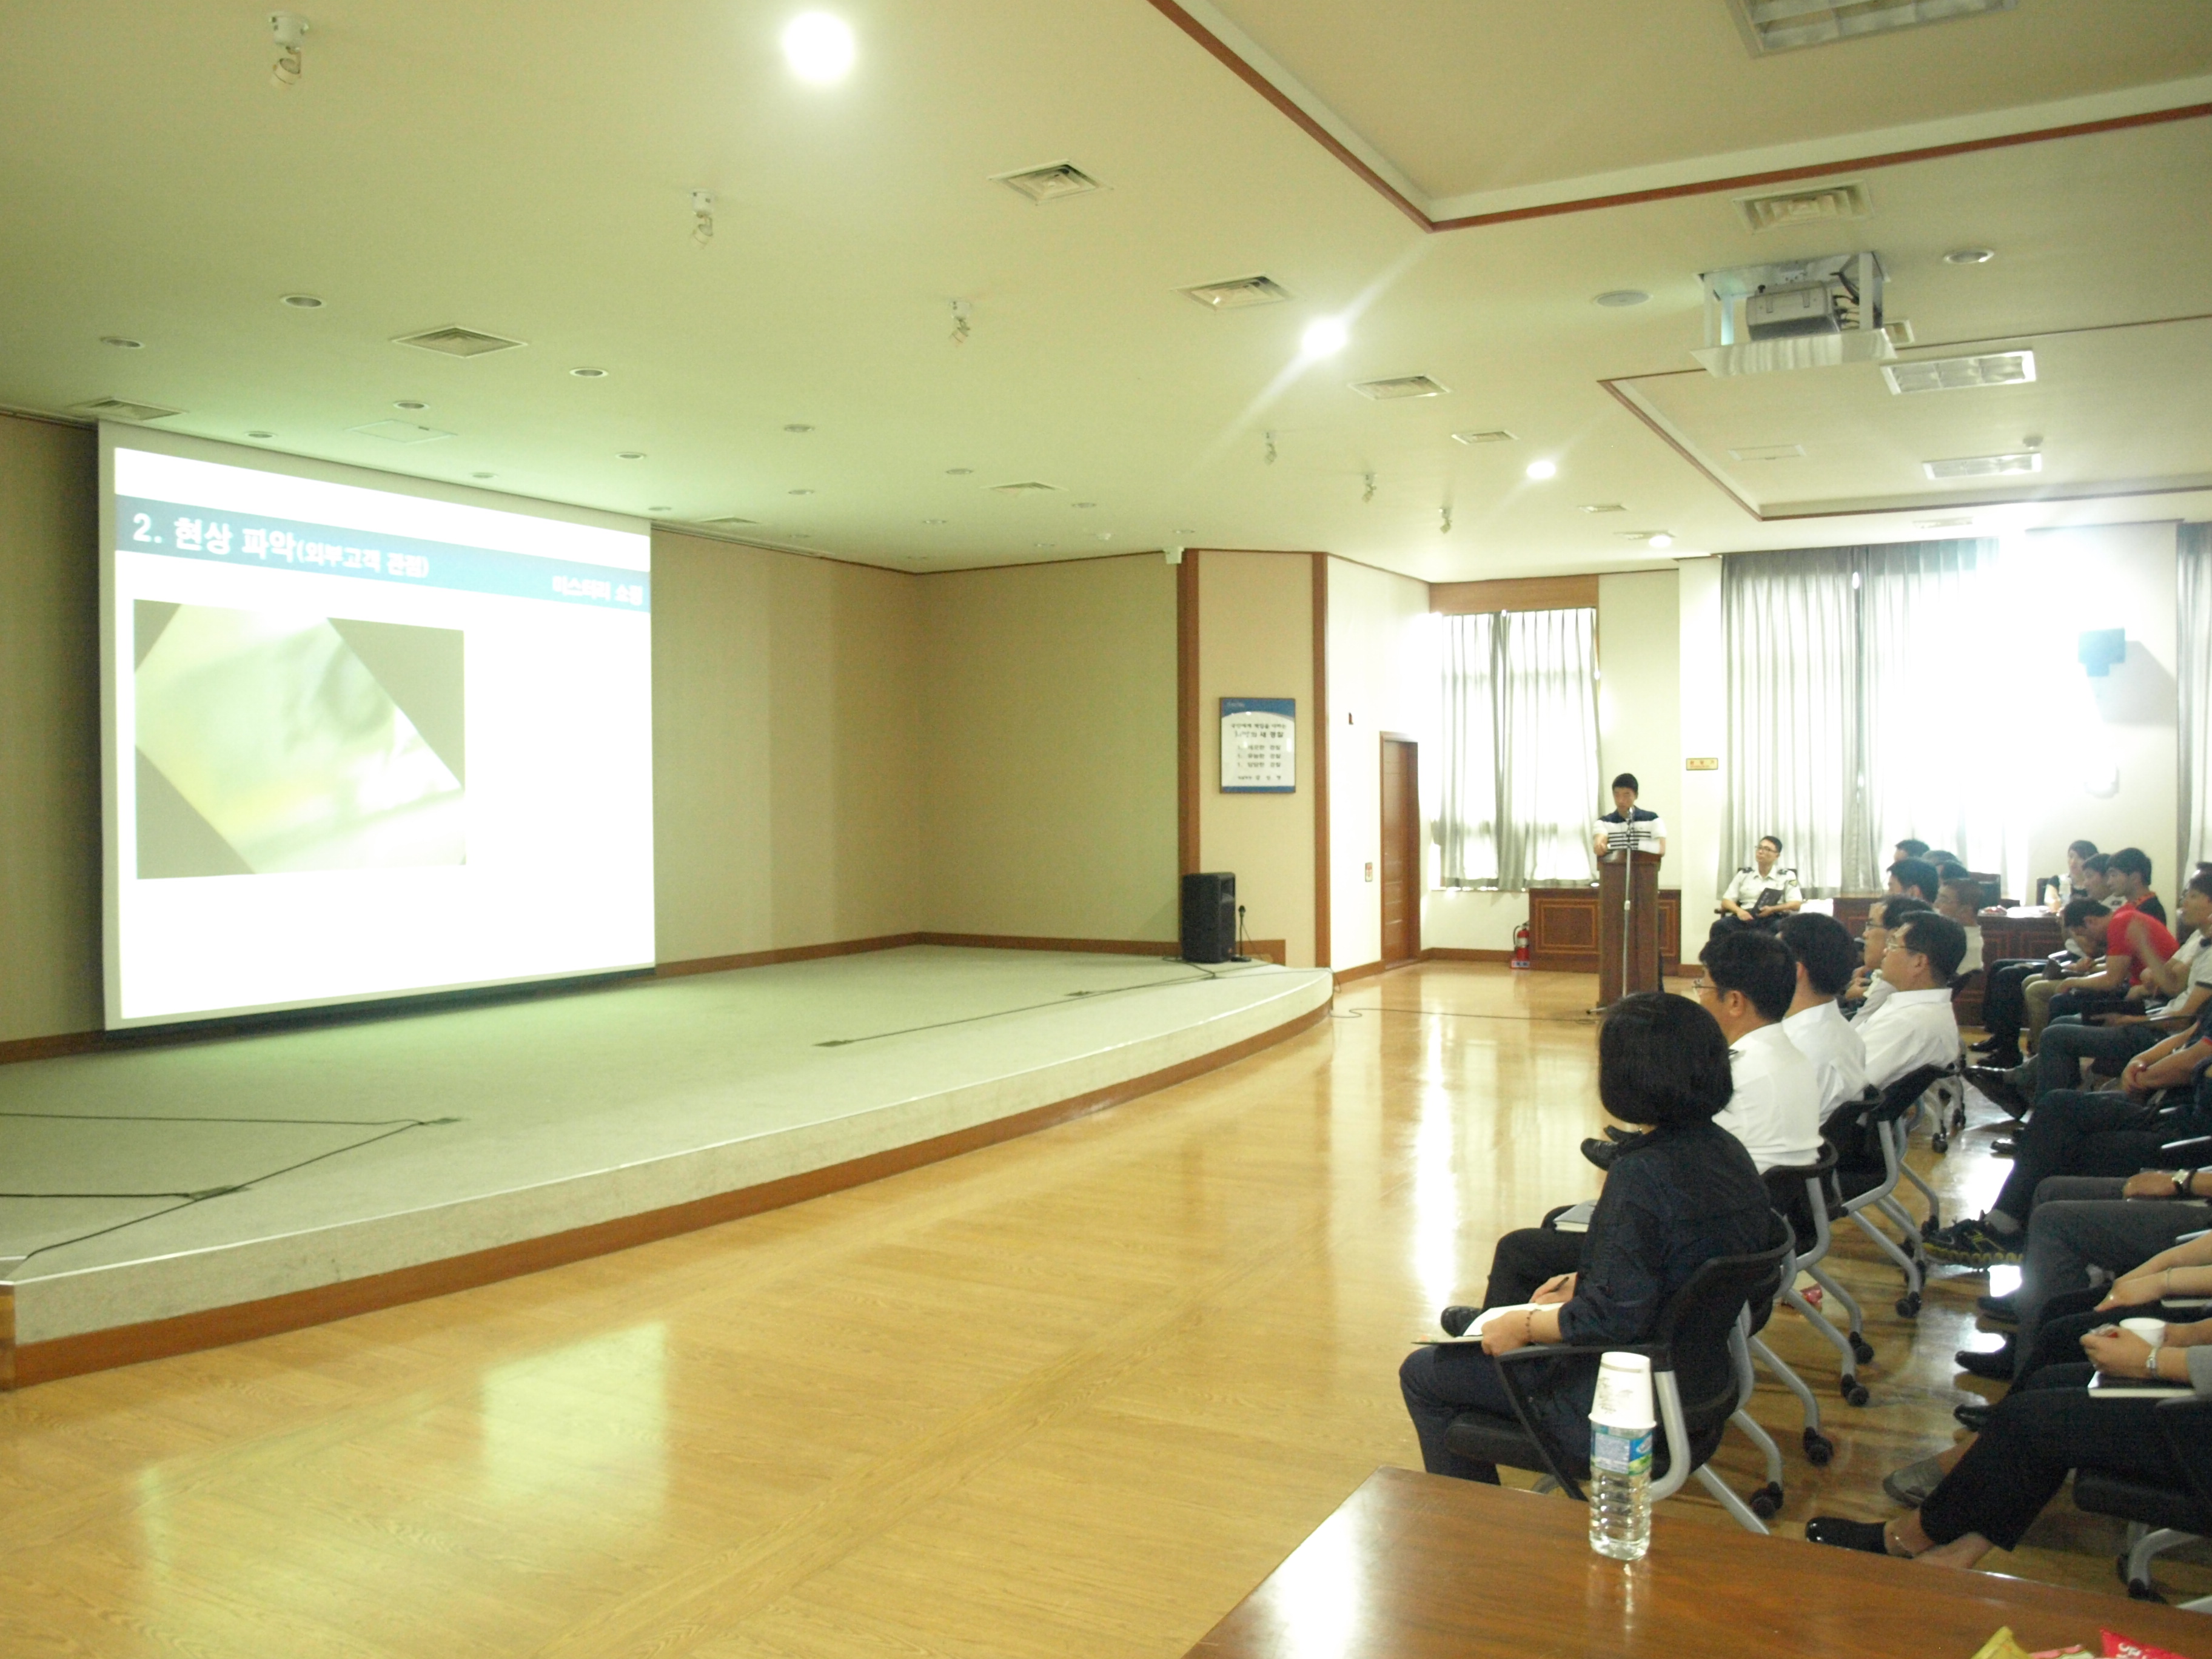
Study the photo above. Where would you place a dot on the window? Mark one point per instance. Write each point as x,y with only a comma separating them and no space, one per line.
1520,748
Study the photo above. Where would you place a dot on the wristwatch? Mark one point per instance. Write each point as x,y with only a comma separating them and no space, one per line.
2184,1181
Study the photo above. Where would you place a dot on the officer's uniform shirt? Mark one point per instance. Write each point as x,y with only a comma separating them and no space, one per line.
1748,885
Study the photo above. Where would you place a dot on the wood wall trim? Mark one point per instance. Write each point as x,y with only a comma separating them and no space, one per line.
1119,947
1419,214
214,1327
1365,970
1324,895
1514,594
790,953
1451,953
1189,850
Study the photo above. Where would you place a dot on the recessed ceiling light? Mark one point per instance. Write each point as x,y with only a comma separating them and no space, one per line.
1984,466
483,475
1623,296
1970,256
1496,435
1605,506
589,373
799,425
630,455
260,435
936,521
1083,507
958,472
410,403
818,47
123,341
1542,469
1663,539
303,302
663,508
799,492
1324,337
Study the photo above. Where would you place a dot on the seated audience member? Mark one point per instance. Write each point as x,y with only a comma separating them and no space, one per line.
2131,940
1960,897
2088,962
1821,947
2078,1132
2003,983
1913,1026
2119,1035
2037,1436
1761,893
1867,987
2127,882
1908,848
1916,876
1677,1195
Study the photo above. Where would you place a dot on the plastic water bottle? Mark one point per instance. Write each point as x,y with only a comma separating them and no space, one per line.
1620,1458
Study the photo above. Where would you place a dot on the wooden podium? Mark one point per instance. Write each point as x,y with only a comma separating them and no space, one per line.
1614,923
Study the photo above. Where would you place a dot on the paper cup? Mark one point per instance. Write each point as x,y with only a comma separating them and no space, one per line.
2151,1330
1624,1392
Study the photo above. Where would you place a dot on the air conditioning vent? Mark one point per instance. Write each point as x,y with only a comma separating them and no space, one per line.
1605,506
1960,374
1984,466
1239,292
458,342
1768,453
1049,184
122,409
1804,207
1495,435
400,432
1404,385
1027,487
1783,25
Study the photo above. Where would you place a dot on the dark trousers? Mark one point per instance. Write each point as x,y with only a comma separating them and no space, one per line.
2067,1043
1527,1257
2071,1315
2081,1224
2080,1005
2038,1433
2077,1133
2003,1006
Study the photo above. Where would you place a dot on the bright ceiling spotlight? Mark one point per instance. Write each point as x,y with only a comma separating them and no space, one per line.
1324,337
1540,471
818,47
1663,541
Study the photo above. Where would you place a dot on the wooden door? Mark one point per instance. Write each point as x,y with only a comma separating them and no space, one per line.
1401,850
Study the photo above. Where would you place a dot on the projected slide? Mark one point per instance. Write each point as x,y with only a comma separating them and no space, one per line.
362,742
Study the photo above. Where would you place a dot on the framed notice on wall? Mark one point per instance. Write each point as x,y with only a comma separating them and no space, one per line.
1258,745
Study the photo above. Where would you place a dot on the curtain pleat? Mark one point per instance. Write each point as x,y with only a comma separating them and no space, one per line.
1520,727
2194,670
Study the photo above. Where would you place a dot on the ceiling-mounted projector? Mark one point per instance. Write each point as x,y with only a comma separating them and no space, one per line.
1796,314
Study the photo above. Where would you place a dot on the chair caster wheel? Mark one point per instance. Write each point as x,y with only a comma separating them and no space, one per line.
1818,1448
2140,1591
1854,1392
1862,1350
1941,1142
1908,1305
1766,1501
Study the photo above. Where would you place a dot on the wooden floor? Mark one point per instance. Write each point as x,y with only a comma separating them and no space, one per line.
1073,1394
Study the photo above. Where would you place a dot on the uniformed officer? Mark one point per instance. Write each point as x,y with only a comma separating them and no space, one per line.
1762,892
1650,829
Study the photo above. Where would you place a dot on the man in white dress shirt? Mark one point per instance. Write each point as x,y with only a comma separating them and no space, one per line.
1914,1026
1821,947
1749,982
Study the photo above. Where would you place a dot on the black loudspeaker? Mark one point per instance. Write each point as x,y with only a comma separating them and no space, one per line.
1209,916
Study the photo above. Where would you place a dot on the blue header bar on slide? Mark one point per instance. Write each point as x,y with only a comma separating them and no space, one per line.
226,537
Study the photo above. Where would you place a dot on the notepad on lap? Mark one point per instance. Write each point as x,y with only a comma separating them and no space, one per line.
1482,1321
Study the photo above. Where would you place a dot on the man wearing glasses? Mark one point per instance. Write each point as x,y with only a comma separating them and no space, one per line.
1913,1025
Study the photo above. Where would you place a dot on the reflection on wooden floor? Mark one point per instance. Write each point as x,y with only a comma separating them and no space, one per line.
1073,1394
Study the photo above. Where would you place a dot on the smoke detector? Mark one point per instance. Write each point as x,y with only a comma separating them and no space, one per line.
1051,183
1238,292
1960,374
122,409
1803,207
1402,386
457,342
1984,466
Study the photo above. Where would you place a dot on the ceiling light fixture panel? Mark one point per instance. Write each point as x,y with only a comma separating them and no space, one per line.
1771,25
1053,182
122,409
1238,292
1985,466
1803,207
1398,386
1495,435
1960,374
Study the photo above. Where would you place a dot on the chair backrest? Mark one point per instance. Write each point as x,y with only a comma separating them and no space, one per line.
1897,1098
1696,1324
1786,1192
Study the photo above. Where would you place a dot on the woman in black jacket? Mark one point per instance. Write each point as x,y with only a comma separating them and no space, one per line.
1676,1196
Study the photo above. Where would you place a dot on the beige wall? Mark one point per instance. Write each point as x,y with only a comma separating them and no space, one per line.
786,763
49,730
1049,750
1255,640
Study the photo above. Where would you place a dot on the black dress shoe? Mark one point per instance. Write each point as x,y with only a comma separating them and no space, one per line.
2004,1146
1615,1132
1600,1152
1995,1364
1867,1535
2000,1088
1973,1418
1455,1320
1998,1306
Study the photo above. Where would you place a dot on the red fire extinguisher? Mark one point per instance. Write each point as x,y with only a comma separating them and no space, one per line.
1520,946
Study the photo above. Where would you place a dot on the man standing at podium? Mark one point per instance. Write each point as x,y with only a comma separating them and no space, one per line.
1648,832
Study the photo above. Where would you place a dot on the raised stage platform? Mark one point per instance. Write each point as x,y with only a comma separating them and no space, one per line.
161,1199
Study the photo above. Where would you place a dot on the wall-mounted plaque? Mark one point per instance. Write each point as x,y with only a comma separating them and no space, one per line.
1258,745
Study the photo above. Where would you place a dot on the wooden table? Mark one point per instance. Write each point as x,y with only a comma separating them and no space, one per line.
1415,1564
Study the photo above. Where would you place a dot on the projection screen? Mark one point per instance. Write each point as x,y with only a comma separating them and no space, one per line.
362,736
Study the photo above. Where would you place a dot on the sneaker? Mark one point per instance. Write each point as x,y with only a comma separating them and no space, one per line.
1971,1245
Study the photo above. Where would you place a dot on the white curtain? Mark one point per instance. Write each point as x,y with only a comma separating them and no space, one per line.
1519,725
1848,670
2195,673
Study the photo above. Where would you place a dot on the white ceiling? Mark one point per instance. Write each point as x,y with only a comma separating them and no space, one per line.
526,169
